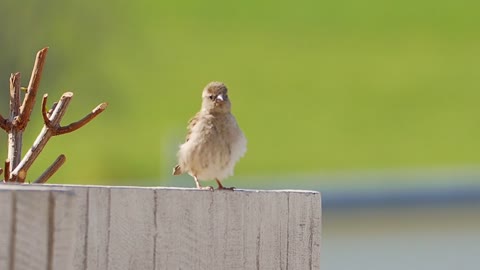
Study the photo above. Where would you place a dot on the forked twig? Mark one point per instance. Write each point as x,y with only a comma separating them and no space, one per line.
52,128
82,122
16,169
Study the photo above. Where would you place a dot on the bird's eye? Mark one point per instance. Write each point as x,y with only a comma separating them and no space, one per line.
211,97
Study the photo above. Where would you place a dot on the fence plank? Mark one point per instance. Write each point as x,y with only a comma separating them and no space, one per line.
131,240
7,221
98,228
37,228
160,228
64,227
32,231
304,227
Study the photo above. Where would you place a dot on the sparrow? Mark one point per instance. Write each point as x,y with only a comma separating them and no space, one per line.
214,141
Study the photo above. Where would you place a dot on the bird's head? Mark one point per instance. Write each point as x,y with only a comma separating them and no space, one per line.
215,98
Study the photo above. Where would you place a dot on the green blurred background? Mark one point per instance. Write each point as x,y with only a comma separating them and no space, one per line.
375,103
317,86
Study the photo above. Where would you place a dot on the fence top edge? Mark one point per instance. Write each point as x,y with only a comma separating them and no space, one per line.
178,189
5,187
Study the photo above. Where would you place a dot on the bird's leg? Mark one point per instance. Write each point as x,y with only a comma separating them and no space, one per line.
220,186
199,186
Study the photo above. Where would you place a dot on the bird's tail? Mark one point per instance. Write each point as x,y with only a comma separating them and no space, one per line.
177,170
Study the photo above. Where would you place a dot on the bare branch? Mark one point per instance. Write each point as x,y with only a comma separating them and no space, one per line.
29,100
15,134
45,115
82,122
60,109
7,170
44,136
51,170
1,171
49,113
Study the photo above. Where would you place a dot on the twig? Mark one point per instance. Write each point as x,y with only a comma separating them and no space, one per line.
7,170
16,169
45,115
1,171
51,170
44,135
49,113
82,122
15,134
29,100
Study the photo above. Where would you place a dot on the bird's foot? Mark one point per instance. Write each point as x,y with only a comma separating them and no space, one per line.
226,188
205,188
221,187
197,183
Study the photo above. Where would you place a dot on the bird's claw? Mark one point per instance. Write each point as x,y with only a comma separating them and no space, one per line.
226,188
206,188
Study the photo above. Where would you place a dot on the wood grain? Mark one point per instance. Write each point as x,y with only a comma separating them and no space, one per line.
37,228
7,228
131,239
162,228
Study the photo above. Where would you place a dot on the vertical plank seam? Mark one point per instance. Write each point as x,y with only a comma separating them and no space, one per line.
109,214
85,237
155,234
13,231
258,246
51,230
312,224
288,229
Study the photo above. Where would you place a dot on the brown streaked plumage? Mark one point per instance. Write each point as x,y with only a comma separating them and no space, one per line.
214,142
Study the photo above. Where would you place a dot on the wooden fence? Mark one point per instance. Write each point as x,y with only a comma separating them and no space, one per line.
112,228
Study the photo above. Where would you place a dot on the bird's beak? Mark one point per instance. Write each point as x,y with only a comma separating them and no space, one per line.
220,97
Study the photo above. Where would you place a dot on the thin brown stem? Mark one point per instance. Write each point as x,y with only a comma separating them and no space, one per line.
51,170
15,134
45,115
29,100
82,122
7,170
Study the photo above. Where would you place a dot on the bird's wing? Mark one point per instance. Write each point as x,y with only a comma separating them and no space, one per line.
191,124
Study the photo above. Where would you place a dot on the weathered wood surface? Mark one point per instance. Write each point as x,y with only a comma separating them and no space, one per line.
36,228
177,228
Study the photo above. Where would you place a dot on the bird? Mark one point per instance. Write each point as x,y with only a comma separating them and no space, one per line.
214,141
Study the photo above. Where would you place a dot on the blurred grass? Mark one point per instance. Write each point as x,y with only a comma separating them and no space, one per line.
316,86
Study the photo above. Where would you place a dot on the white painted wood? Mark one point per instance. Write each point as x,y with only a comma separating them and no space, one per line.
174,228
31,238
37,228
64,227
237,230
81,232
303,231
6,229
98,229
132,229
